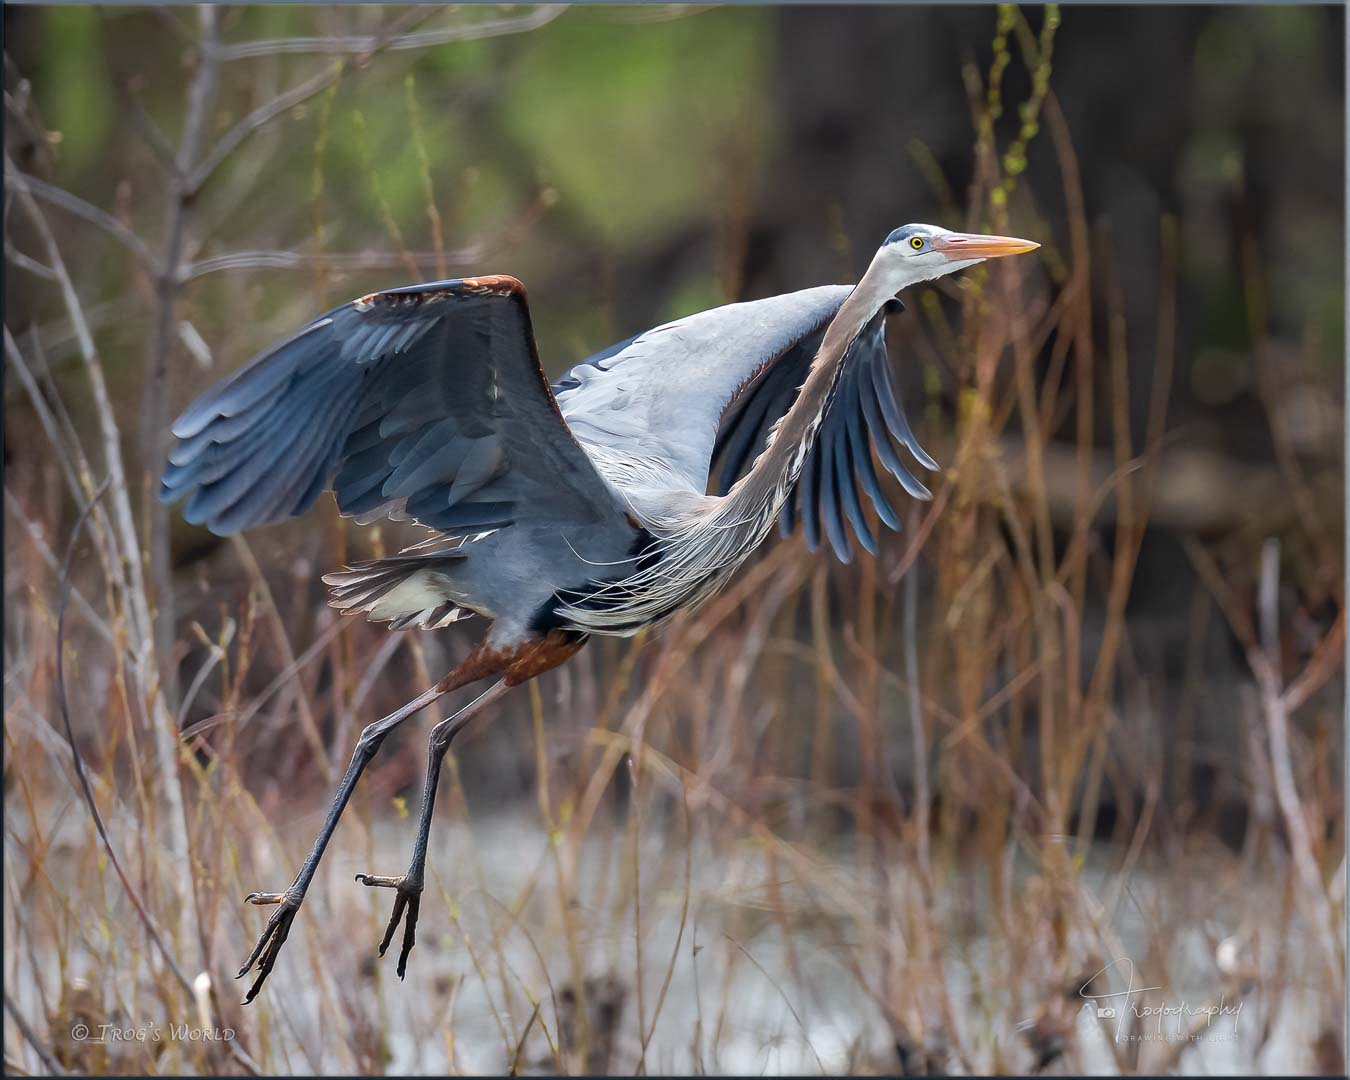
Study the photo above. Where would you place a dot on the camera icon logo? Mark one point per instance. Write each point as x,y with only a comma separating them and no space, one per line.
1106,1012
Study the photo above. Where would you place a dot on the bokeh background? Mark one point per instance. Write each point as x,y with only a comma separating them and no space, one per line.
917,813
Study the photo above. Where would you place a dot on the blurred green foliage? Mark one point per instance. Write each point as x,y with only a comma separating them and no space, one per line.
73,62
623,121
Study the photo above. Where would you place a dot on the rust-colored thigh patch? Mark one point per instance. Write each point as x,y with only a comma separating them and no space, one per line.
517,663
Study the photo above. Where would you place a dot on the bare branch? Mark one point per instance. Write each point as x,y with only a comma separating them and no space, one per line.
154,138
128,93
1326,660
265,259
265,114
24,262
918,736
34,531
155,390
30,1036
215,654
1265,665
243,716
1268,606
362,48
299,260
359,44
88,793
169,19
53,741
50,193
69,457
57,336
258,118
74,465
308,723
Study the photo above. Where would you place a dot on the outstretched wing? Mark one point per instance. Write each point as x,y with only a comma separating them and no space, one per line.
865,415
426,402
700,395
657,399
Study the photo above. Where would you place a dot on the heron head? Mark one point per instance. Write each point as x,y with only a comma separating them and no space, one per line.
914,253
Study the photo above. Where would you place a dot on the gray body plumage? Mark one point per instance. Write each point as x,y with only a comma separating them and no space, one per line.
585,506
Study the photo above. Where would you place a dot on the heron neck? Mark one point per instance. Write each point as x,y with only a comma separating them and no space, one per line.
765,487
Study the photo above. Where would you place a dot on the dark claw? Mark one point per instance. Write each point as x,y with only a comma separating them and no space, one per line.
409,898
272,939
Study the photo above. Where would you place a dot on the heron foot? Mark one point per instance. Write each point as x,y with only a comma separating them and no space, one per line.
409,900
273,936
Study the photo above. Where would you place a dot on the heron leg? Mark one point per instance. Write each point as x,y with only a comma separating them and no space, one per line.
529,661
409,886
288,903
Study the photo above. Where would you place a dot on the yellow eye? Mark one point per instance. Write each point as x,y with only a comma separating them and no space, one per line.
916,243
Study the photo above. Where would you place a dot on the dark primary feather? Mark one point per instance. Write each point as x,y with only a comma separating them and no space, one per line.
426,402
864,415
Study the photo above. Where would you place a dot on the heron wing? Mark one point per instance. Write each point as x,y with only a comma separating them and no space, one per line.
701,394
658,398
426,402
864,417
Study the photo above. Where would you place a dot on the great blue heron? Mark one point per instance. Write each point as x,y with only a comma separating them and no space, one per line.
556,512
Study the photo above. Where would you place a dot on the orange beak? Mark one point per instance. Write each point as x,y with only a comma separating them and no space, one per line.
960,246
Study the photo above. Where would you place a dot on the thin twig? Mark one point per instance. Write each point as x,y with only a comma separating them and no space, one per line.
360,49
34,531
156,389
64,708
25,262
308,724
70,458
520,1045
684,918
74,467
917,733
264,114
255,706
806,1037
215,654
149,131
1327,658
57,336
53,741
86,211
108,425
30,1036
367,43
259,118
300,260
1265,664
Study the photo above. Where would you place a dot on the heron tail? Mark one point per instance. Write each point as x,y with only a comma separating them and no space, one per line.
410,592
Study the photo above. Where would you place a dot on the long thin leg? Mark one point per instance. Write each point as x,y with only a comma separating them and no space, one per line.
279,925
529,659
409,886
